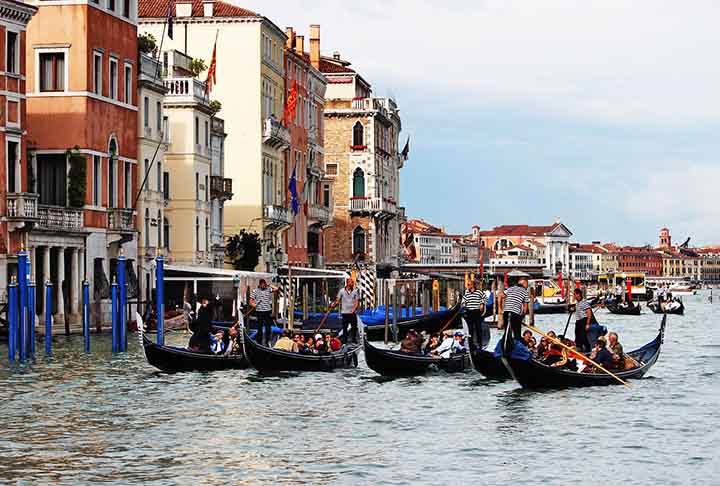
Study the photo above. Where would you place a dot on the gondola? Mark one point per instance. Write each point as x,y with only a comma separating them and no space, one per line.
550,308
530,373
632,310
171,359
484,360
395,363
269,360
430,323
678,311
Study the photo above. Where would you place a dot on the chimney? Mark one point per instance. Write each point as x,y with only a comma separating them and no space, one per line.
315,46
336,55
300,44
183,9
208,6
290,33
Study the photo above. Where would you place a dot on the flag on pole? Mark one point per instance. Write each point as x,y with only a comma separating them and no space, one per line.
212,76
292,187
170,19
291,104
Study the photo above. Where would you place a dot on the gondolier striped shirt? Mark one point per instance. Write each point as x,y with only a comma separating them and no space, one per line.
473,300
515,297
581,309
263,299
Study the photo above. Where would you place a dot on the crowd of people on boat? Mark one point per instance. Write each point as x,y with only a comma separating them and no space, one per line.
443,345
317,344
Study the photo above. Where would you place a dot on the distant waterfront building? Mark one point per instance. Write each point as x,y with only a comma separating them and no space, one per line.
363,160
18,191
432,246
251,86
584,261
82,128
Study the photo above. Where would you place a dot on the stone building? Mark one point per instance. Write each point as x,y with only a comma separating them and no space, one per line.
363,162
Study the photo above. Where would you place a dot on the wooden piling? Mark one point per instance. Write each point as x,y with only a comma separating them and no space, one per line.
386,299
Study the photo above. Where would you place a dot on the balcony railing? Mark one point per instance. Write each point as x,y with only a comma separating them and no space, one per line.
150,68
275,134
276,216
220,188
21,206
189,89
317,260
321,214
59,218
120,219
373,205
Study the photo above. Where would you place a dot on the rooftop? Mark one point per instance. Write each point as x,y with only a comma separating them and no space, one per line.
159,9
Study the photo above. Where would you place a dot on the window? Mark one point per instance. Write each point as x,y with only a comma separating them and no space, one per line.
358,183
112,174
11,53
52,71
126,9
197,186
97,180
146,112
128,84
197,234
159,176
207,188
147,227
13,167
197,131
113,86
158,116
331,169
326,195
166,233
128,185
166,185
111,5
159,229
358,241
207,133
207,235
97,73
358,135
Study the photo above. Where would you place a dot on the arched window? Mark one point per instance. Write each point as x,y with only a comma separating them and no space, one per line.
159,229
358,135
197,234
112,176
166,233
358,183
358,241
147,227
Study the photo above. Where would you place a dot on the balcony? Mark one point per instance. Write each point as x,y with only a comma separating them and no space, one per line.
57,218
220,188
276,217
120,219
320,214
375,205
316,260
275,134
150,68
21,206
186,90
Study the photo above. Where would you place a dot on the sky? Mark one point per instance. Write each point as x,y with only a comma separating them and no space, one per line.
603,114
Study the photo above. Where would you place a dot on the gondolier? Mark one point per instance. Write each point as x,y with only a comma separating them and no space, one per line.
349,300
473,303
261,301
515,303
583,319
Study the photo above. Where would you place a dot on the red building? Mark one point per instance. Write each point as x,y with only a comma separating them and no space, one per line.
639,259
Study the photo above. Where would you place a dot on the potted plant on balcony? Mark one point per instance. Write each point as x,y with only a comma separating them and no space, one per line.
244,249
147,43
77,182
215,107
197,66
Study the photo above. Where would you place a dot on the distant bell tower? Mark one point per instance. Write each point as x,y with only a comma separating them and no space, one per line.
665,238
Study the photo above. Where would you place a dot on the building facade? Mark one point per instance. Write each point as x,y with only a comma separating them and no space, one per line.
81,75
363,161
221,190
250,58
18,199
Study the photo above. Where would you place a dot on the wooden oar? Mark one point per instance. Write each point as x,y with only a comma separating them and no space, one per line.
557,341
567,323
450,321
323,320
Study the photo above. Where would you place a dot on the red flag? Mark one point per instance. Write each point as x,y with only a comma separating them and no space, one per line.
291,103
628,282
212,77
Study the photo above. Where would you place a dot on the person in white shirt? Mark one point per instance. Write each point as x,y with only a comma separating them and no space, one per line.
450,345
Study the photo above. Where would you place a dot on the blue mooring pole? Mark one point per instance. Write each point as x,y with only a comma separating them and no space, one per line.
160,298
22,257
114,315
122,321
86,314
48,317
31,316
13,319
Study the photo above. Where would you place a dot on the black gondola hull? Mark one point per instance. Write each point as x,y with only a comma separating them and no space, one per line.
490,366
677,312
533,374
431,324
624,311
396,363
269,360
173,360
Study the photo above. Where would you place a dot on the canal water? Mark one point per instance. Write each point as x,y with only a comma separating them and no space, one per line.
89,419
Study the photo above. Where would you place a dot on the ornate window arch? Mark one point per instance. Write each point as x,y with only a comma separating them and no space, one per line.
358,134
358,241
358,183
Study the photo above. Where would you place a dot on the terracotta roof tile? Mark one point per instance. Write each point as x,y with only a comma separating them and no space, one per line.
159,8
518,230
329,67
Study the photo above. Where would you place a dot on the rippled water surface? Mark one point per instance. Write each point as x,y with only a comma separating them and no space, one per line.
83,419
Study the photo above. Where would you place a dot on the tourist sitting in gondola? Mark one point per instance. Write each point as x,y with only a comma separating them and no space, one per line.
618,354
431,344
285,343
320,347
218,342
526,337
234,347
601,355
412,343
201,328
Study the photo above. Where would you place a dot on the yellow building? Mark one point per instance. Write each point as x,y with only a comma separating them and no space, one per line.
250,84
